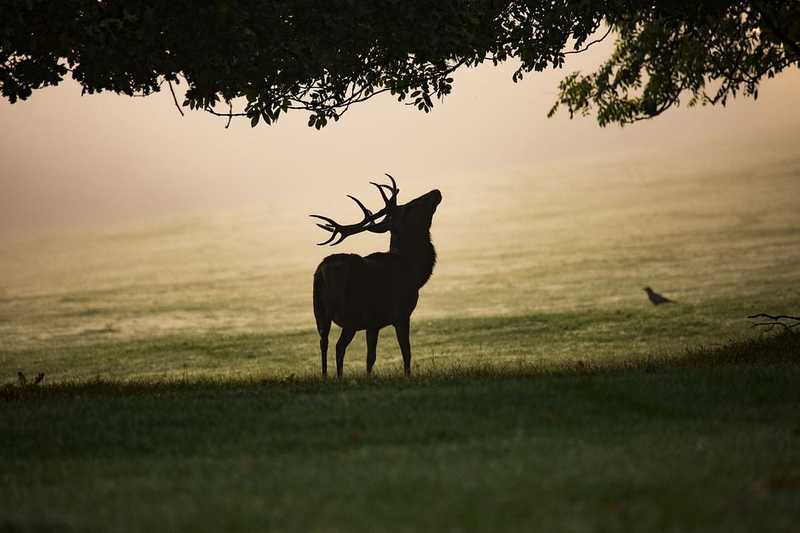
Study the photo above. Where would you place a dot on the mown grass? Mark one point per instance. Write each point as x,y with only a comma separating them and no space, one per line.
707,441
600,336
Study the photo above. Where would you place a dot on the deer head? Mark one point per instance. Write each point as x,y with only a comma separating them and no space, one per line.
404,221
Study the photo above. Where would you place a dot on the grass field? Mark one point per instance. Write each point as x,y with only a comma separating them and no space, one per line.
704,442
182,391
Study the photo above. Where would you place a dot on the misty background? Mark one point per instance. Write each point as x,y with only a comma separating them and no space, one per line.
119,216
103,160
121,220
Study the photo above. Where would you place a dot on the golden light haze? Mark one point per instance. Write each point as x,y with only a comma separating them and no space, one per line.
71,161
122,220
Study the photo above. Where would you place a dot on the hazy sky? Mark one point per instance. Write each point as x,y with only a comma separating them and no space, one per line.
69,161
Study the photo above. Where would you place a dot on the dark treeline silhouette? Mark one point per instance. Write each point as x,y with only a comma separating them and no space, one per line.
381,289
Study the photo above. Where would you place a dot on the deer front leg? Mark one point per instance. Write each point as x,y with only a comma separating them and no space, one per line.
402,329
372,348
341,346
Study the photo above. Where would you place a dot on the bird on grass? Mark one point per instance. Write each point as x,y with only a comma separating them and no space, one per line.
23,381
655,298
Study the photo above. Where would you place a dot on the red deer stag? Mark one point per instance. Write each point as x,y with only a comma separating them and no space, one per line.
382,288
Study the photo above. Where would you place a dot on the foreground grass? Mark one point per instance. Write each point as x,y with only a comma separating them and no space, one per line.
706,441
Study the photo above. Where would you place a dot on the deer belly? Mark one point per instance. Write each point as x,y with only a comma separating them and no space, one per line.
373,307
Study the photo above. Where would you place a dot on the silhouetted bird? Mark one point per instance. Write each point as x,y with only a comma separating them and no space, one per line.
655,298
21,379
39,378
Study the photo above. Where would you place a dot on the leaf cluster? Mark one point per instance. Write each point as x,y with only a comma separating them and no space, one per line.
710,51
321,56
260,59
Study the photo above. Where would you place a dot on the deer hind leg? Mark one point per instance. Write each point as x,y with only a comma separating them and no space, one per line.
323,349
372,348
341,346
324,328
402,329
323,320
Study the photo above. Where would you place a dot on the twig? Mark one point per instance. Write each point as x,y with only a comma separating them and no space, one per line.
174,98
589,44
227,114
775,317
776,320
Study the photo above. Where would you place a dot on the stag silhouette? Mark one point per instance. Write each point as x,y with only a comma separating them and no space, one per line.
380,289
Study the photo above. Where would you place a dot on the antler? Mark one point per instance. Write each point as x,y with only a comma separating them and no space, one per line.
390,202
369,221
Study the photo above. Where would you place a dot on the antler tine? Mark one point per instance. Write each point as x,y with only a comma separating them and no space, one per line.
330,226
333,236
380,190
394,183
392,188
367,212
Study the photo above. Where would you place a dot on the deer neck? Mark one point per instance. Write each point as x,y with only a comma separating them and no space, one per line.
418,252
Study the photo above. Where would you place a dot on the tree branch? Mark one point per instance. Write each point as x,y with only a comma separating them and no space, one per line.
589,44
230,114
174,98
